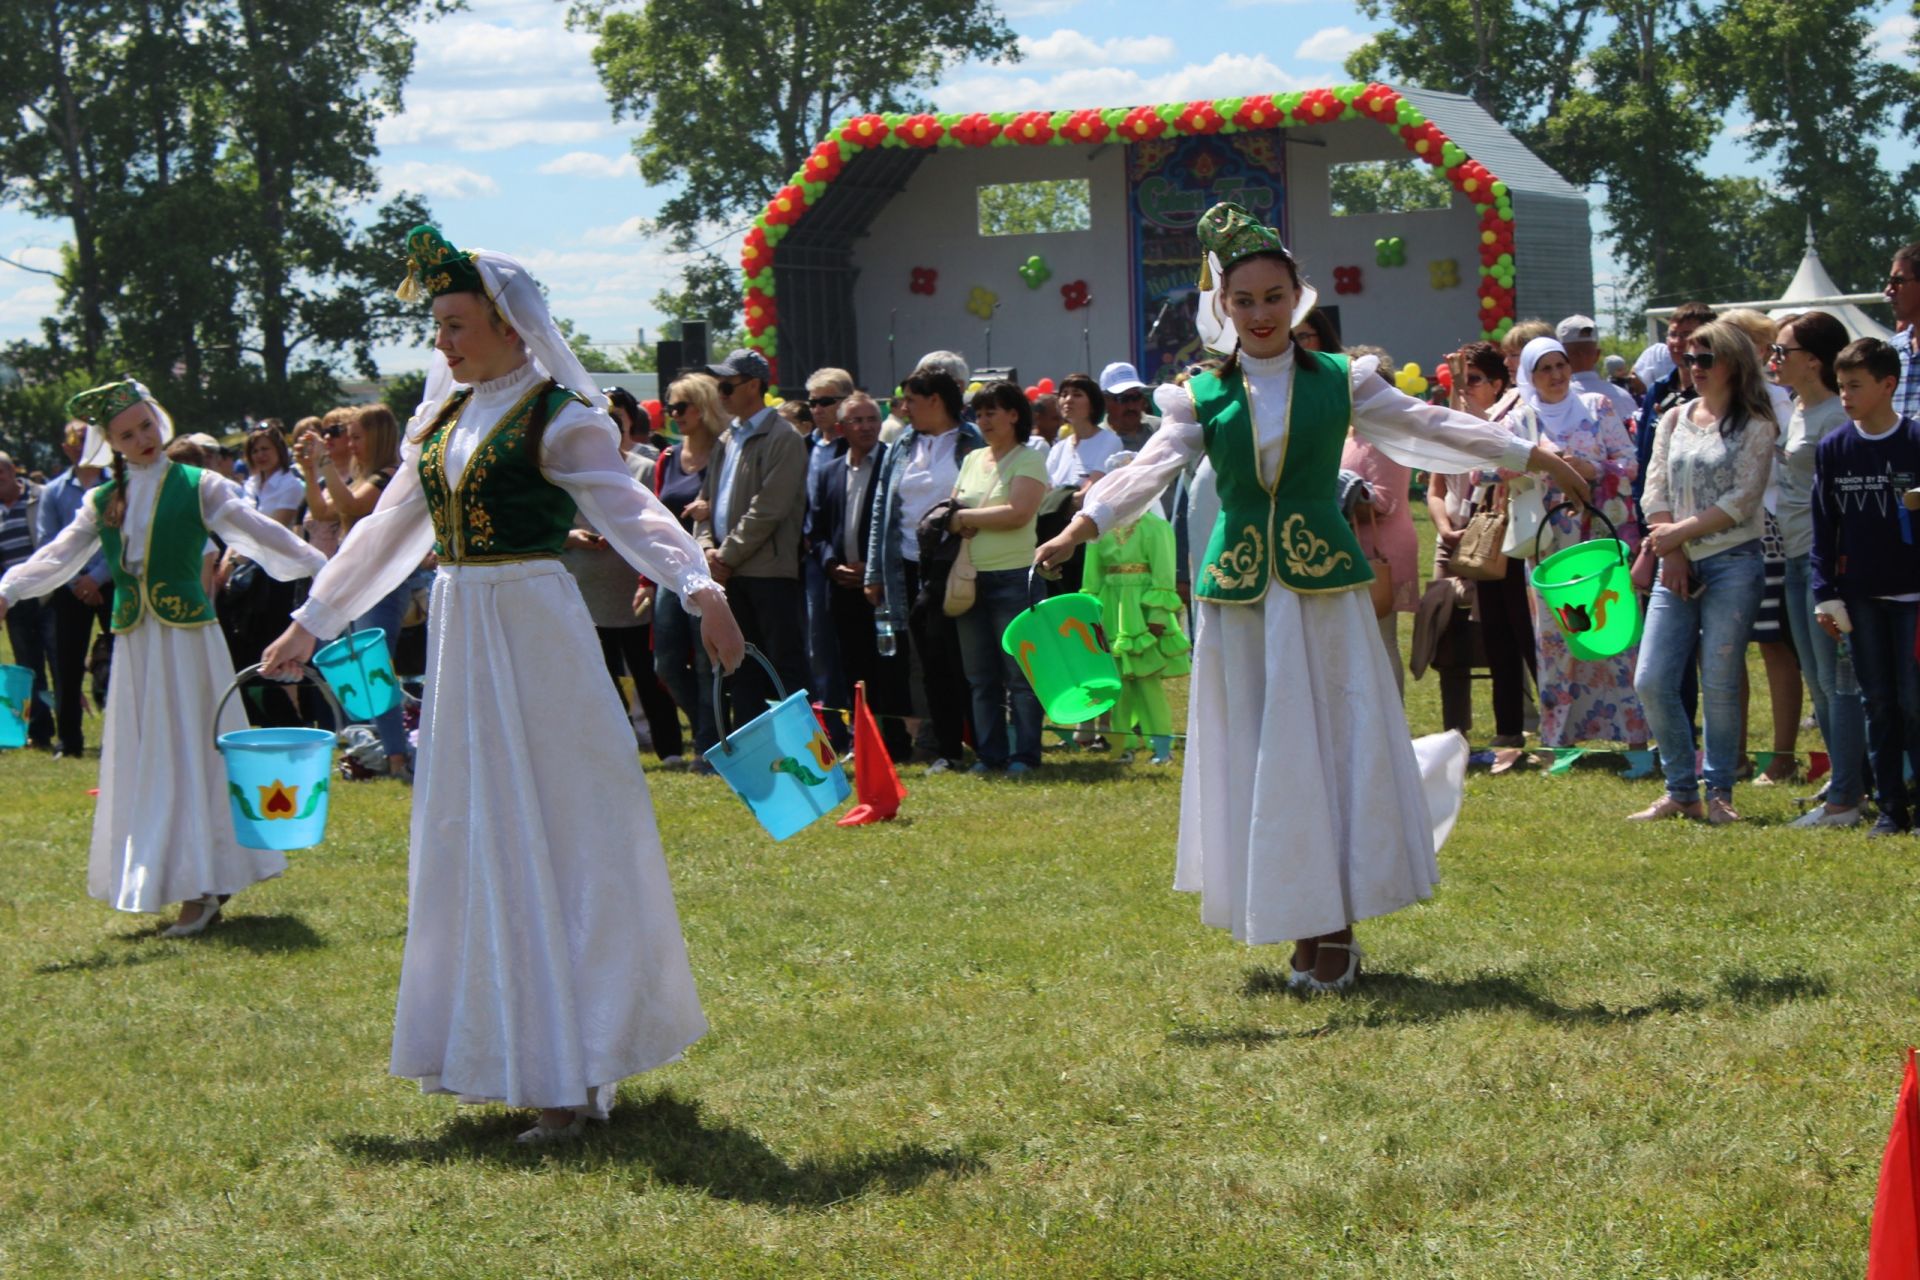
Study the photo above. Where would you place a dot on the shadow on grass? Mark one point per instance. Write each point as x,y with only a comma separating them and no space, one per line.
261,935
1386,999
676,1143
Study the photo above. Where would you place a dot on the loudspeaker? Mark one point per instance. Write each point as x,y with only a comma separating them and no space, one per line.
693,337
667,361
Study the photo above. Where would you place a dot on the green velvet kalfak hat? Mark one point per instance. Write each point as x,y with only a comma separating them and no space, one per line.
100,405
1230,233
435,267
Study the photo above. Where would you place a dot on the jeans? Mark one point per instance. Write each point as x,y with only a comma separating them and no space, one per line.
387,616
30,632
1835,690
680,660
997,684
1881,643
1720,617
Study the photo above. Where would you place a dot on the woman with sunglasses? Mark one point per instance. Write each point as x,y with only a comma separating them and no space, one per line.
1480,383
1711,460
322,446
697,417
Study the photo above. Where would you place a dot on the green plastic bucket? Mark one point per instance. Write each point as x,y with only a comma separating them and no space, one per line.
1588,589
1062,648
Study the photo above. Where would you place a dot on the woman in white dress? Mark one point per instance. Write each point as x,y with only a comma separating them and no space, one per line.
544,961
1304,806
161,829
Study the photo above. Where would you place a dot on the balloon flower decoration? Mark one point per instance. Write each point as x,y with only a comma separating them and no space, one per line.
924,279
1443,377
1444,272
1411,380
1035,271
1075,295
1046,386
1346,279
1390,251
982,301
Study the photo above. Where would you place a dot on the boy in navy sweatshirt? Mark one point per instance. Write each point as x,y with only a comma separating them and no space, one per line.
1866,562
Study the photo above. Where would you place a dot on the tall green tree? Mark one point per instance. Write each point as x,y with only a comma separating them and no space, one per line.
710,291
730,95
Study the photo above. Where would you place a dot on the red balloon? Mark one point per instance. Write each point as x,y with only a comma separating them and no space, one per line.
1034,393
1443,374
1045,385
656,412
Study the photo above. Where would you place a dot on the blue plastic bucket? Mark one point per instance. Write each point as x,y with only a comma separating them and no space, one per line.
779,762
16,697
278,780
360,670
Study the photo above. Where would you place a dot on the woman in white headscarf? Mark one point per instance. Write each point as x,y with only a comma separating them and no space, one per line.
1579,701
544,961
1305,805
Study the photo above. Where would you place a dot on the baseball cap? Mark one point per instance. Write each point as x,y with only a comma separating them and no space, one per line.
1576,329
743,364
1120,376
1615,366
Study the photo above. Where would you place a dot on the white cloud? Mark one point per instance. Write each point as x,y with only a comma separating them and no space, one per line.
36,256
631,231
25,306
1226,75
1330,44
560,113
591,164
1893,39
1068,48
485,47
441,181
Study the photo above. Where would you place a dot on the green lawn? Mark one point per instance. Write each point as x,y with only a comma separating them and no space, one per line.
989,1040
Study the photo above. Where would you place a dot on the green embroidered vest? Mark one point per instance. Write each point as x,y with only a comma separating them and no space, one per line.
503,508
169,577
1293,531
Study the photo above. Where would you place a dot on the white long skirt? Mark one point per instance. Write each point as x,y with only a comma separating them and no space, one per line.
544,962
1304,805
162,831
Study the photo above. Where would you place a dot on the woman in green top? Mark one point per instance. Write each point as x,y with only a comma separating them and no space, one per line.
999,491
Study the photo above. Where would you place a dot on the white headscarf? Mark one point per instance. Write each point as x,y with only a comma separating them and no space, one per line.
516,295
1216,330
96,452
1558,419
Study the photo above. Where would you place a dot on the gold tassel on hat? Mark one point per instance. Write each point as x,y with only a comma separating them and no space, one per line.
409,290
1206,271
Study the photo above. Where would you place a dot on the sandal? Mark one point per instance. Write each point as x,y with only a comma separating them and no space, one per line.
1346,980
1507,759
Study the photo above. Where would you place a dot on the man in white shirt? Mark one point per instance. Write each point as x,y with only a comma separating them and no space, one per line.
1582,340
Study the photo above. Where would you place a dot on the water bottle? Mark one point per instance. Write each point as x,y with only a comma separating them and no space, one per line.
884,639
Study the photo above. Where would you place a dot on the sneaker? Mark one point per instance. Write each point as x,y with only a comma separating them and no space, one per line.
1891,823
1823,817
939,766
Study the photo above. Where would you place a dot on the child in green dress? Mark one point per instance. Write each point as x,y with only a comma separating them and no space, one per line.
1131,569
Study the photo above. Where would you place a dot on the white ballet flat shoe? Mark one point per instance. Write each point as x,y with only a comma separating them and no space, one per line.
209,910
1345,981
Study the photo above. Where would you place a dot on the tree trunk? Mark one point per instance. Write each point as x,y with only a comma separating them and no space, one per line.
91,306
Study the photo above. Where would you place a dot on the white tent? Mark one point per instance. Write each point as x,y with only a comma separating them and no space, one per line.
1812,283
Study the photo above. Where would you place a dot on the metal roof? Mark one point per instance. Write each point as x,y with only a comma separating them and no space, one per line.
1487,140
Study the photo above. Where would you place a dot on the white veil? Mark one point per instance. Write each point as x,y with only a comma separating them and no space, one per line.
96,452
1216,330
517,296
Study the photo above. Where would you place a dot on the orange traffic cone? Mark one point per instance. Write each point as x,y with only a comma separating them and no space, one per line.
875,782
1893,1250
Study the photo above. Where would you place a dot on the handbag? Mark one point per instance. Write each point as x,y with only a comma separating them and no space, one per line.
1381,588
961,587
1480,556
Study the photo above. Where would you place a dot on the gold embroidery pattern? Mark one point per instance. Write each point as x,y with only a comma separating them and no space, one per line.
1239,567
436,283
1307,552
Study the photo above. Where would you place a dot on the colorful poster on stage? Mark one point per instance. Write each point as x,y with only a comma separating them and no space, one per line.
1170,183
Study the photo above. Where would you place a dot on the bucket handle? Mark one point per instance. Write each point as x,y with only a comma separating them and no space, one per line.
1547,520
307,676
720,704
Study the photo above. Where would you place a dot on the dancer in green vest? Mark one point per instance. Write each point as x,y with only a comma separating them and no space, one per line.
1304,805
161,830
544,960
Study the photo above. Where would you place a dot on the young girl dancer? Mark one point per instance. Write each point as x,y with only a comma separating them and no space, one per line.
1133,569
1304,806
544,962
161,830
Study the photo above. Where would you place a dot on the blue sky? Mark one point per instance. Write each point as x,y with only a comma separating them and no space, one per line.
507,133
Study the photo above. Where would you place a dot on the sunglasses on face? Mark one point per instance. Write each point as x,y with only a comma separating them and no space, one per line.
727,388
1894,282
1131,397
1781,353
679,407
823,402
1699,359
1478,380
332,433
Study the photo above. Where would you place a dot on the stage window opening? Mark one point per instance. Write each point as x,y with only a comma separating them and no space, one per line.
1387,186
1036,208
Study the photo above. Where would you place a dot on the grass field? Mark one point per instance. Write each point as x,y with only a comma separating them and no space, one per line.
989,1040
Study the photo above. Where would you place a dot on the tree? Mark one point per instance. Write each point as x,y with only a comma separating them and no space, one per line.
1388,186
1030,208
710,291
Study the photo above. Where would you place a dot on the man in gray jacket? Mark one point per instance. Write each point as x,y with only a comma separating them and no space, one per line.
756,501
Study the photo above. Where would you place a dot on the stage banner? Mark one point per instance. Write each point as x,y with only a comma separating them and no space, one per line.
1170,183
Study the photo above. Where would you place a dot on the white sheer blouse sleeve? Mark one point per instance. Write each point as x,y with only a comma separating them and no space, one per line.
260,538
380,552
1428,437
57,561
1122,496
581,454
